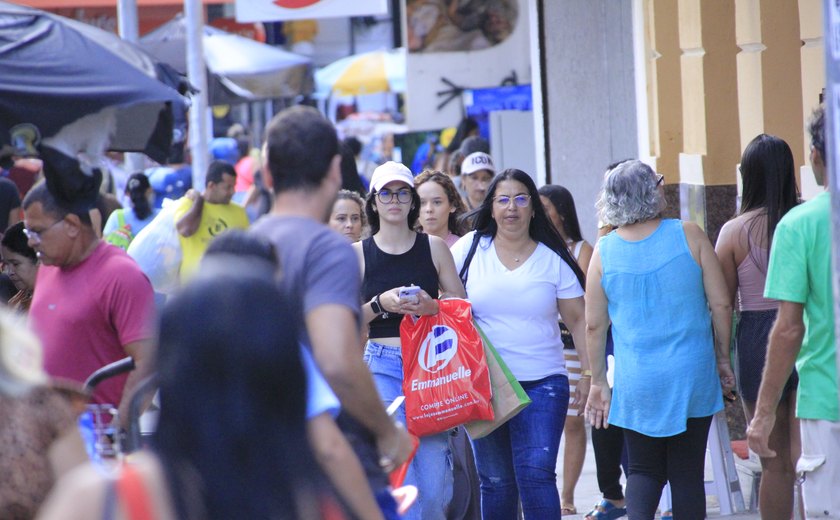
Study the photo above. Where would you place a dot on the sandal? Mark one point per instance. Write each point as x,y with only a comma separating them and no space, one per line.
568,510
605,510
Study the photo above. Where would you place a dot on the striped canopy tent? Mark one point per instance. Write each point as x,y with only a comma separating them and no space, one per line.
367,73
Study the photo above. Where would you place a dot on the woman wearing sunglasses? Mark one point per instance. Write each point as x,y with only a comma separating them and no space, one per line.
396,256
519,275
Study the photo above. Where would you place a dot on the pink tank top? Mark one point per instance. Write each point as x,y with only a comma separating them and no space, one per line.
752,273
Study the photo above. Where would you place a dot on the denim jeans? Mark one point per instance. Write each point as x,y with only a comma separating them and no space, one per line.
431,468
518,460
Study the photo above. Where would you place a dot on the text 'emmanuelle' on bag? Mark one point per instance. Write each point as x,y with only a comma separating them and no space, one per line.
446,381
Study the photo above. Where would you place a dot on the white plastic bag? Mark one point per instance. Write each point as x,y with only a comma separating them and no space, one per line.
157,250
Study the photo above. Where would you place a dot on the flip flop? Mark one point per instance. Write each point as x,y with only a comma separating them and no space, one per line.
605,510
568,510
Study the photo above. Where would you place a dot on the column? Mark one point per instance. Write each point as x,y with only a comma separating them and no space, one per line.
769,78
664,95
711,131
812,59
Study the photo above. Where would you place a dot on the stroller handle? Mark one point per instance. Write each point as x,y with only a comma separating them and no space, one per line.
114,369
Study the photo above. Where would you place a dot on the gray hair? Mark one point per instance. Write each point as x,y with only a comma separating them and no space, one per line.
629,194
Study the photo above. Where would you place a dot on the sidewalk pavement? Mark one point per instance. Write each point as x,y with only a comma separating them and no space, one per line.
587,493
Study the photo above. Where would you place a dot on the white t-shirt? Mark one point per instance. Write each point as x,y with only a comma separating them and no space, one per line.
517,310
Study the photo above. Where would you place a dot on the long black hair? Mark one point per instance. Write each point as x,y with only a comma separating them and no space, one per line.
769,183
564,205
232,432
136,188
541,229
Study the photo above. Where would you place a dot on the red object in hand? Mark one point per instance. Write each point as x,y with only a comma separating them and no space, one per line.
295,4
397,477
446,381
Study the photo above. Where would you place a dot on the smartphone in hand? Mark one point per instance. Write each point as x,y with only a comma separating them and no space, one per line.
410,294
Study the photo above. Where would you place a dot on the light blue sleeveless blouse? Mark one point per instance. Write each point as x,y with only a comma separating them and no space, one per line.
665,369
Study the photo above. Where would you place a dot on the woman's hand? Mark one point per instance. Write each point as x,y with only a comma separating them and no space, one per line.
581,394
598,405
727,377
424,305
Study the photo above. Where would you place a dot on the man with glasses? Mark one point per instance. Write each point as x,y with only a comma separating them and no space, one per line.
477,171
92,304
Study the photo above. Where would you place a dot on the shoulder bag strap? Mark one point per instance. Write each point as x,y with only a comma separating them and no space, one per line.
464,274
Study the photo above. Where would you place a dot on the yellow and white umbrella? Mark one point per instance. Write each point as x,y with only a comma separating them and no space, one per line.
367,73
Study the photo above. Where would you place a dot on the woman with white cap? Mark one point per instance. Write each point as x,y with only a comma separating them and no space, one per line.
396,256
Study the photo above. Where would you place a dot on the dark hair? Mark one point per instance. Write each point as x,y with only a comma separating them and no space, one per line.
354,144
452,194
474,144
14,239
564,205
51,205
373,216
232,436
350,179
465,128
769,181
540,229
816,127
455,161
136,188
300,146
216,170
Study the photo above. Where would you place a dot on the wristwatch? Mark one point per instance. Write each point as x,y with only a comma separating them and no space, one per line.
375,306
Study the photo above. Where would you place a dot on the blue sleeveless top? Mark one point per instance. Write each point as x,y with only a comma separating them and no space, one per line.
665,368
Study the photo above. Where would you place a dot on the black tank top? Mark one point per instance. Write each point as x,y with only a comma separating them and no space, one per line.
384,271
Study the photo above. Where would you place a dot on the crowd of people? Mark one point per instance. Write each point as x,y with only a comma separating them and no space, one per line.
277,359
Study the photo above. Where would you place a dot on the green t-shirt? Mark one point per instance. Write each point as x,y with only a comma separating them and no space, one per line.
800,272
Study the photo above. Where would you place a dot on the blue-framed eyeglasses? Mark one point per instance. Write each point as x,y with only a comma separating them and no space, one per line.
520,200
403,196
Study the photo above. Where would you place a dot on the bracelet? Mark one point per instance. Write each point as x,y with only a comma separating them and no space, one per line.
586,373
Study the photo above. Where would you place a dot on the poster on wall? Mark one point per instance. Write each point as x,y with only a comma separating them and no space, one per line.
459,25
248,11
462,45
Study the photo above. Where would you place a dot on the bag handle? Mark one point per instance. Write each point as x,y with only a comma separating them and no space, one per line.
134,495
464,274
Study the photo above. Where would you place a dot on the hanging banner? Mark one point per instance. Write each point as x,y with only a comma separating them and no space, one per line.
248,11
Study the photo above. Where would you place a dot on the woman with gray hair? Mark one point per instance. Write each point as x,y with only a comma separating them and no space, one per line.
661,286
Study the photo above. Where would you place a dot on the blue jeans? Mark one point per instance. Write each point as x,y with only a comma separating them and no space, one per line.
431,468
518,460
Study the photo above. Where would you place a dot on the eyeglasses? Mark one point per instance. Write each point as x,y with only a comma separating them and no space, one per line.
403,196
36,235
659,179
520,200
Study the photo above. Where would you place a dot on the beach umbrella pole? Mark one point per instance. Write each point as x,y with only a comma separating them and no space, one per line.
129,28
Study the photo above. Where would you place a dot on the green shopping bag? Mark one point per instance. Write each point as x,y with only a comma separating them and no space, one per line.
509,398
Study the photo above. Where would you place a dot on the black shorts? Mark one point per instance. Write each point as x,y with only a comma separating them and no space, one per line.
751,352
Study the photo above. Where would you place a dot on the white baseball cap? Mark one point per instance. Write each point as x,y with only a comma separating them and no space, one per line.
477,161
389,172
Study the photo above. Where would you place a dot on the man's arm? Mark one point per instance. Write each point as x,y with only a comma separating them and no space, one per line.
188,224
784,345
333,334
142,351
342,467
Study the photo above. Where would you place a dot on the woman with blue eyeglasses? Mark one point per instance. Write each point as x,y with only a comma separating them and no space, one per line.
519,274
396,256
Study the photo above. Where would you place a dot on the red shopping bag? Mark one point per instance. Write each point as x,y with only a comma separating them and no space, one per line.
446,381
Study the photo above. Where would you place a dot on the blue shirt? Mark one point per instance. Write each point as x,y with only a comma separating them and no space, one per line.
319,396
665,368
